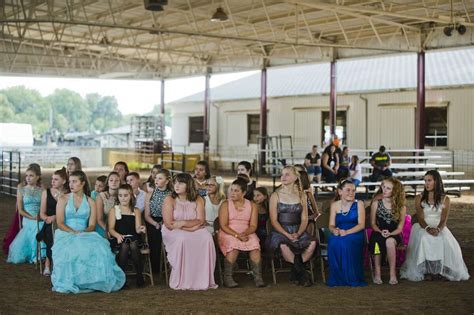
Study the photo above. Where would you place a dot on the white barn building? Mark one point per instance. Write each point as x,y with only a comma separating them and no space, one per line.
376,100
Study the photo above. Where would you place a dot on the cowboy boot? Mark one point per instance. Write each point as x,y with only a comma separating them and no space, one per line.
257,272
302,275
228,280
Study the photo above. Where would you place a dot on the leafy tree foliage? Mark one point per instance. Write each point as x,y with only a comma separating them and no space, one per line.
69,110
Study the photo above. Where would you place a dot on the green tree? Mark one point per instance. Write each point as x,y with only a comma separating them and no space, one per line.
72,107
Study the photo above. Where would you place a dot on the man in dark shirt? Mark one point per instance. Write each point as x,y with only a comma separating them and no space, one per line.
312,162
380,161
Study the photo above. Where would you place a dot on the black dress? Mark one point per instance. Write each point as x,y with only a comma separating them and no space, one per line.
46,233
385,221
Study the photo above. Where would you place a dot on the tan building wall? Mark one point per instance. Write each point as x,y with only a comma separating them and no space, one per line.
390,120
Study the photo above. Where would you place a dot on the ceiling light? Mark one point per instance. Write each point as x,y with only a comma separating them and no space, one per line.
448,30
155,5
461,29
219,16
67,51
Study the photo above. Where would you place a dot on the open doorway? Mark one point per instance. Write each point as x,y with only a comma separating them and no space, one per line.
436,126
341,126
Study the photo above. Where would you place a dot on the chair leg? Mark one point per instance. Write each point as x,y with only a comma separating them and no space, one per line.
164,264
272,263
219,271
311,269
323,272
150,270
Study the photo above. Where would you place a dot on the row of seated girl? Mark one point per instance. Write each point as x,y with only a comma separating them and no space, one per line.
184,217
432,249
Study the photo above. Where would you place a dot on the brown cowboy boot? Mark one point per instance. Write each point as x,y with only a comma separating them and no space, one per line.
228,280
257,273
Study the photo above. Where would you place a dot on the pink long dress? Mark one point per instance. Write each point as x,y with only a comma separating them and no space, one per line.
239,221
192,255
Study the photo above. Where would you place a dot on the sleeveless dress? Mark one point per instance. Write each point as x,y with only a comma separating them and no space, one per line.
108,204
427,254
192,255
289,217
23,248
345,253
385,221
239,221
154,235
83,262
46,233
212,212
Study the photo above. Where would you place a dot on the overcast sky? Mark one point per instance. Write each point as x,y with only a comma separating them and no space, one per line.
133,96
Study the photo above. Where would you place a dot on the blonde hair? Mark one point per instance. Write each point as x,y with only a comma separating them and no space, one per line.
220,186
297,183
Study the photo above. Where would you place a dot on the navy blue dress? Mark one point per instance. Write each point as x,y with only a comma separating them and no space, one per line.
345,253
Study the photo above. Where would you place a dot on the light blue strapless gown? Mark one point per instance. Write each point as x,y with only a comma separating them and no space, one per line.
23,248
83,262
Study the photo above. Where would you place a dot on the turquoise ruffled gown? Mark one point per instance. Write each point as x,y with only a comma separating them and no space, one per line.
83,262
23,248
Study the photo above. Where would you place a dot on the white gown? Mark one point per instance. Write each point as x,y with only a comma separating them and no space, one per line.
427,254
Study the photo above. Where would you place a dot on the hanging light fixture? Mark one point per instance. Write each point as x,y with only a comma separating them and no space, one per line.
219,15
155,5
67,51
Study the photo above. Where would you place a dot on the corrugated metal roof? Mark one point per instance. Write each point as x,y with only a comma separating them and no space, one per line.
443,69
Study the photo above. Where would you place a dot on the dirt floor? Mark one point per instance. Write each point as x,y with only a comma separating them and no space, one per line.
23,290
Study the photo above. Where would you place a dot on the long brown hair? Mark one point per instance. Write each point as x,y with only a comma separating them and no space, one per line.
83,178
131,202
63,174
438,192
191,192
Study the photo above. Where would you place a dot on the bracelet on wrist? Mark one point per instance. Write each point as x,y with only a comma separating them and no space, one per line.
427,227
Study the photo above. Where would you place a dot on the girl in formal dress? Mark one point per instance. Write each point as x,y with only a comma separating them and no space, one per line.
346,244
107,200
189,246
83,261
238,218
154,215
387,218
125,225
432,249
213,200
289,218
49,199
202,173
23,249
